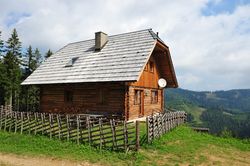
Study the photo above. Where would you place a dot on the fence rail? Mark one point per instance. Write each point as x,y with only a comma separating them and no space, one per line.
161,123
98,131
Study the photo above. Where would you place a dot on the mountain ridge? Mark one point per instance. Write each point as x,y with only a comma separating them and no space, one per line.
232,100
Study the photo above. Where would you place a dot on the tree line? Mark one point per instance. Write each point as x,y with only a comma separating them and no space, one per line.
220,123
15,66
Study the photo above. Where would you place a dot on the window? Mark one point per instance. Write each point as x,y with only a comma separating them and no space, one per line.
68,96
137,97
102,96
154,96
151,66
71,62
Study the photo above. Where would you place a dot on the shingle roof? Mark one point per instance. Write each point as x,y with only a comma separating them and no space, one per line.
122,59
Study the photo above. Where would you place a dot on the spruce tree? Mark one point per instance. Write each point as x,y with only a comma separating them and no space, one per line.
1,47
30,62
48,54
38,57
12,78
12,62
2,73
30,93
14,47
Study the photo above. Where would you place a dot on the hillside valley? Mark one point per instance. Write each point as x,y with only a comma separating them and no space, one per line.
224,112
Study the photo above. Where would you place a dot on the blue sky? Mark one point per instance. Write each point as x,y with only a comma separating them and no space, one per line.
14,17
223,6
208,39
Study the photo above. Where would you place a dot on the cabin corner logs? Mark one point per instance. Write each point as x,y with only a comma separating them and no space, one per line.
98,131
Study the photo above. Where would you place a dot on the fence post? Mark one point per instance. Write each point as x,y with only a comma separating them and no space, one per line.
78,129
5,122
113,133
50,125
21,122
68,127
15,122
137,145
1,117
36,122
58,116
89,129
125,132
148,132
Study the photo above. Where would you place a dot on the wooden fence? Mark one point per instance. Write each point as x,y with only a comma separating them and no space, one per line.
98,131
159,124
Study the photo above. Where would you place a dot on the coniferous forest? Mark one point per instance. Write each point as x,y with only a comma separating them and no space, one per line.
225,113
16,64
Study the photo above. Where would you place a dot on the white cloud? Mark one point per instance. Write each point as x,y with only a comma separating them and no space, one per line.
209,52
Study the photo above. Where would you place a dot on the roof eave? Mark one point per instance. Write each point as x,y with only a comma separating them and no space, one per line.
165,47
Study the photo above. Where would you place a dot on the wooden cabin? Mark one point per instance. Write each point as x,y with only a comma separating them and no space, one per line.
110,75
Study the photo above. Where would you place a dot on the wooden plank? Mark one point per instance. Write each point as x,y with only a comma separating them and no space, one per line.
78,129
137,135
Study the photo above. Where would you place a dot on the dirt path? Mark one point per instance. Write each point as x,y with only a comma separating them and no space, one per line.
15,160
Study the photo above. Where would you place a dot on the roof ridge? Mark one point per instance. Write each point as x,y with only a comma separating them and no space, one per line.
149,29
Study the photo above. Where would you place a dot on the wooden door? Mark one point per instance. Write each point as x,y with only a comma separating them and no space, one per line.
141,109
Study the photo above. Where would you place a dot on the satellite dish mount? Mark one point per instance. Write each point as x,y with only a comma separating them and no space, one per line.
162,83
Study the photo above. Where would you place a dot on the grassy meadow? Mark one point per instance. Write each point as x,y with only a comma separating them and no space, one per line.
181,146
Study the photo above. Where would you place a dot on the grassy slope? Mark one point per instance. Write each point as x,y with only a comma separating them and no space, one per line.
196,111
182,146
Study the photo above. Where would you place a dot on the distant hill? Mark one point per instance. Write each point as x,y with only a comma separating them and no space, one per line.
232,100
221,111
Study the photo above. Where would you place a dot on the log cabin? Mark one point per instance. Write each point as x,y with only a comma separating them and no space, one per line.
108,75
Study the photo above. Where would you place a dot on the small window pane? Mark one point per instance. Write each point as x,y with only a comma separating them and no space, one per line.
151,67
68,96
154,97
102,96
137,97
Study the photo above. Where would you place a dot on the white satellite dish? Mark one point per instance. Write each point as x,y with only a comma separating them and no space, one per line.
162,82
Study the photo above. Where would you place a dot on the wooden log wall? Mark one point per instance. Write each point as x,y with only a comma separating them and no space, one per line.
85,98
98,131
161,123
147,83
149,107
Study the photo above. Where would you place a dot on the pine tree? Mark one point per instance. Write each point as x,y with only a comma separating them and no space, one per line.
14,47
38,57
30,62
2,73
2,82
12,78
48,54
1,46
12,62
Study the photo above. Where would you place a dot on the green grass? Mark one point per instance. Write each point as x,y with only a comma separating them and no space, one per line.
195,110
180,146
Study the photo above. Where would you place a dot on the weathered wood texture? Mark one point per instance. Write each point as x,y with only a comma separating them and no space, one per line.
149,76
147,83
98,131
149,107
85,98
162,56
159,124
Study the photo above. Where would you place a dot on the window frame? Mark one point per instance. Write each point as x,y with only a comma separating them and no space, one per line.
102,94
155,97
68,96
151,66
137,97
